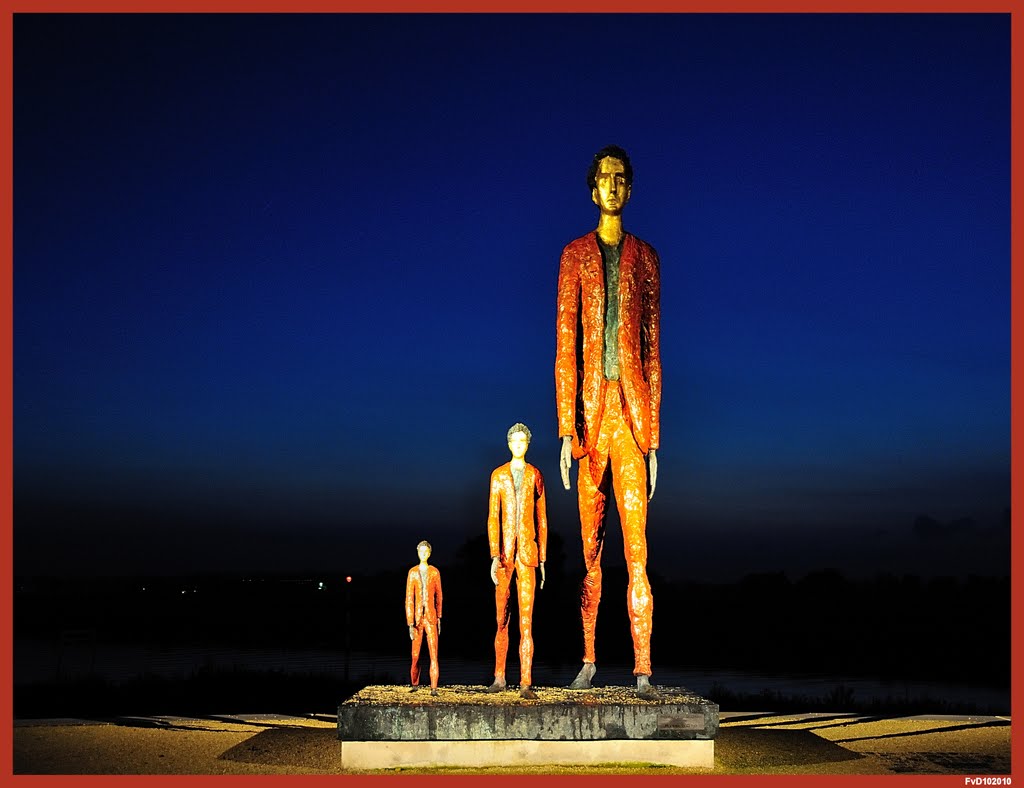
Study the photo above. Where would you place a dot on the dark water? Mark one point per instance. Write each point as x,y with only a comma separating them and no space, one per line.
44,661
824,636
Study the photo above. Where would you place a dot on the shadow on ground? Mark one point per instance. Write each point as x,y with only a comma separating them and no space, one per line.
746,748
942,763
302,747
947,729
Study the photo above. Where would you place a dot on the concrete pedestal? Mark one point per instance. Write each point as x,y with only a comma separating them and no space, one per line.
386,727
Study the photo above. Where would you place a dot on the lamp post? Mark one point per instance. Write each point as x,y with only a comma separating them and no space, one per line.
348,624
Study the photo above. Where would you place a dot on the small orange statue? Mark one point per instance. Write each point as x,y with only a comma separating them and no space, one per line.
608,396
423,614
517,528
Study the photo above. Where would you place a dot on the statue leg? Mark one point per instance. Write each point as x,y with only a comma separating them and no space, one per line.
629,473
417,644
592,499
435,668
501,592
525,580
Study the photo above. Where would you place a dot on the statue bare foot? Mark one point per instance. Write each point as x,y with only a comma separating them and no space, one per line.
498,685
645,689
526,691
582,680
433,691
413,688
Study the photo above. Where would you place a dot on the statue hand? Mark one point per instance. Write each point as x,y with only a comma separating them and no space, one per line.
565,462
652,470
494,570
412,632
541,574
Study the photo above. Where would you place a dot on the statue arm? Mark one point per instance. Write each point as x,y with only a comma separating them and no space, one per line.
651,350
542,526
565,342
410,600
541,508
438,598
494,516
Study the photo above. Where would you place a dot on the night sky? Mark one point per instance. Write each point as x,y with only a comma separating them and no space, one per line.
281,283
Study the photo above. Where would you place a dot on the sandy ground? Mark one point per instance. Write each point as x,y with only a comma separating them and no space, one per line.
754,743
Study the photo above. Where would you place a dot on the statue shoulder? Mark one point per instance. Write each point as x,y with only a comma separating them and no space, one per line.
499,472
644,247
578,246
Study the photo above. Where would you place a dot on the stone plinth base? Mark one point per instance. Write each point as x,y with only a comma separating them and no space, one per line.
386,727
696,754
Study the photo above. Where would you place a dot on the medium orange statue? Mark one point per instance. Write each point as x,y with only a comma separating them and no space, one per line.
608,393
423,614
517,528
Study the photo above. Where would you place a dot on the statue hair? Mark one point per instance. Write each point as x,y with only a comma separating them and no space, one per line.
519,427
616,153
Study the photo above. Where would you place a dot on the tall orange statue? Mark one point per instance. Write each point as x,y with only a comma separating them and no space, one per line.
608,392
517,528
423,614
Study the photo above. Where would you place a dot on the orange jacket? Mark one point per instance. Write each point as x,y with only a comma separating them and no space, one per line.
519,537
579,381
414,596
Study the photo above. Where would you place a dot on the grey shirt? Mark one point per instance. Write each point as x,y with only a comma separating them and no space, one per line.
611,256
517,481
423,581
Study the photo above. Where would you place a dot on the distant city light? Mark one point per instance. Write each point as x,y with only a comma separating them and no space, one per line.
321,585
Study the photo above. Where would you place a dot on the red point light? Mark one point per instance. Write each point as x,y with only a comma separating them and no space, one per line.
348,579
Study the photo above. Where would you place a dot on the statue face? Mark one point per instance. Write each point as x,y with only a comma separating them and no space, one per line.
612,192
518,445
423,552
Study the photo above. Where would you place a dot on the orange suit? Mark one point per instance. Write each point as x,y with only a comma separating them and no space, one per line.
517,529
613,424
423,611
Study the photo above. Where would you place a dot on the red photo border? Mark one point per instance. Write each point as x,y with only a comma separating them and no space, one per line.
7,11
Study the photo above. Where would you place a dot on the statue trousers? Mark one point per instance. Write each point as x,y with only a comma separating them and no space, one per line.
525,582
616,461
430,629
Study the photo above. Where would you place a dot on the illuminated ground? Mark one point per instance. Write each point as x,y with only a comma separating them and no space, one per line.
753,743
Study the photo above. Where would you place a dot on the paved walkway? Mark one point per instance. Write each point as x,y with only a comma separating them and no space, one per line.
747,743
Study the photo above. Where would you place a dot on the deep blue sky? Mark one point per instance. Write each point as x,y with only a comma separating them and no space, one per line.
281,283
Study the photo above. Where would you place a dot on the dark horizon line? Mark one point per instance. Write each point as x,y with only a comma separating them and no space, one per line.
317,575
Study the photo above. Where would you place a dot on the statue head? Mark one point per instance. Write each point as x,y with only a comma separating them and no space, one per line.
518,437
610,178
423,550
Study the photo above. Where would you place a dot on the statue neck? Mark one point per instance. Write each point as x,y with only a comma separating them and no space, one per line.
609,228
517,464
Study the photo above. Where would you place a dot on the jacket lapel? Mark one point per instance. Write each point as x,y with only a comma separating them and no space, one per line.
596,263
627,265
509,525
